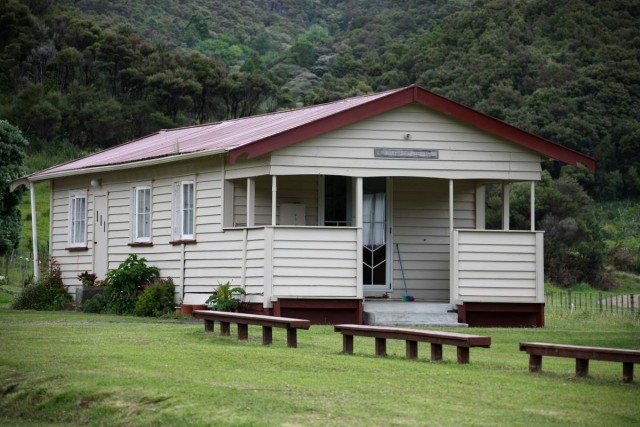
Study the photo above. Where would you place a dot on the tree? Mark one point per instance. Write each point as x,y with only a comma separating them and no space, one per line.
12,155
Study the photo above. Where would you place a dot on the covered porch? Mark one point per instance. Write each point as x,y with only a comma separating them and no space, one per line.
333,242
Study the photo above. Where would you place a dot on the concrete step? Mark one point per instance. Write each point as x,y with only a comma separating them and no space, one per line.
401,313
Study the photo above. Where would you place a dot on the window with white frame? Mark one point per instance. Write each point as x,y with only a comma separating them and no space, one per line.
77,219
142,214
184,208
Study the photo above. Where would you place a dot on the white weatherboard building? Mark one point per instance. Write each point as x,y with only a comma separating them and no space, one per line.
315,210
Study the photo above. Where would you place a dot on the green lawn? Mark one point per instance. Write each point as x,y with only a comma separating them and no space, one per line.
80,369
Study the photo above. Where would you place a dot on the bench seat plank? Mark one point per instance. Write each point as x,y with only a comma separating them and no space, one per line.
581,352
412,336
436,337
253,319
243,320
582,355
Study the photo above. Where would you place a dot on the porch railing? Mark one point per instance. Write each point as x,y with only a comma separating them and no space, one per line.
497,266
301,262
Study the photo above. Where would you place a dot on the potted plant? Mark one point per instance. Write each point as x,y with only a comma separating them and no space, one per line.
223,298
89,287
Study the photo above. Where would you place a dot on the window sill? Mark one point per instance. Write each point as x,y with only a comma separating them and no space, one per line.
77,249
140,244
183,242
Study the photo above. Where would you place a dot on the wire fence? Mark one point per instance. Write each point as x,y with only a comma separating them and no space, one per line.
594,301
17,267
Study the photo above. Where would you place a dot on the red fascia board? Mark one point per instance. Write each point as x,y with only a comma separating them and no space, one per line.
502,129
323,125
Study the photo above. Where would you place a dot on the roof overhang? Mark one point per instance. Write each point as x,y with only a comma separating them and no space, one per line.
44,176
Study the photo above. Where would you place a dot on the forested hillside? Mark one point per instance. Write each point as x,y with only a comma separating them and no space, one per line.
79,75
94,73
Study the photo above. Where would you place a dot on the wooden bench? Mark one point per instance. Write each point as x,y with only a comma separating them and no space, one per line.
437,339
243,321
582,355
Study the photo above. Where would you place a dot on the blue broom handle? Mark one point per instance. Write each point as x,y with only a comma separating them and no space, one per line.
404,281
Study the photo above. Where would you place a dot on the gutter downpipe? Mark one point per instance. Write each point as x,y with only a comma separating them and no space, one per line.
34,232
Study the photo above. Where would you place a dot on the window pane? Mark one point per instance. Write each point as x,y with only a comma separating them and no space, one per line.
77,219
146,229
82,221
187,208
143,213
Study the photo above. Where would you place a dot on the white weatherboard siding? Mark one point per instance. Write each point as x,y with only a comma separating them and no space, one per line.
211,244
421,230
314,262
71,263
464,152
498,266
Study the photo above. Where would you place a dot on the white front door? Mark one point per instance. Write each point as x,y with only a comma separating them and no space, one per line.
100,241
376,243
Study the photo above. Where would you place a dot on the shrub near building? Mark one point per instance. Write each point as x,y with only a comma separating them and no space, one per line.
48,293
126,283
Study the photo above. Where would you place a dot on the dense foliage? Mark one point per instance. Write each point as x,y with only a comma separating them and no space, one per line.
12,154
92,74
156,299
48,293
125,284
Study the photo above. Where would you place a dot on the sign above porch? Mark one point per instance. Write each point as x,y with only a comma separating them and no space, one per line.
406,153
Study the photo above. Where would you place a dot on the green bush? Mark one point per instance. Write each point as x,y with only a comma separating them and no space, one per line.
48,294
96,304
156,299
223,299
124,284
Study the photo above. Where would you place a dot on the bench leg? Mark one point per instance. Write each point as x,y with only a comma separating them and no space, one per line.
436,352
582,367
463,355
292,337
208,325
267,335
412,349
347,344
535,363
243,332
627,372
381,346
224,329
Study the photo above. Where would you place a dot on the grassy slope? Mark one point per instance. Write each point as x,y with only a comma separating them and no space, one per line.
42,218
81,369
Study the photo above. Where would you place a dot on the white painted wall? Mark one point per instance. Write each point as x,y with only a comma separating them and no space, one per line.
307,261
498,266
464,152
421,228
314,262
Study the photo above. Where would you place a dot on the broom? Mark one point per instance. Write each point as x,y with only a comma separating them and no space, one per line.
406,296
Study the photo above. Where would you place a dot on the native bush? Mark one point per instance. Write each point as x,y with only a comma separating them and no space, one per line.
48,293
156,298
125,283
95,304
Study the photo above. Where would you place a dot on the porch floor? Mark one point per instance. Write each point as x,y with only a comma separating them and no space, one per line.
413,313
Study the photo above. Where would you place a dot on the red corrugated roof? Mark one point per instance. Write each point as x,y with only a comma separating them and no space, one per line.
258,135
215,137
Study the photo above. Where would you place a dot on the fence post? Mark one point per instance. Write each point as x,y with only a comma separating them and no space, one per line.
631,304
